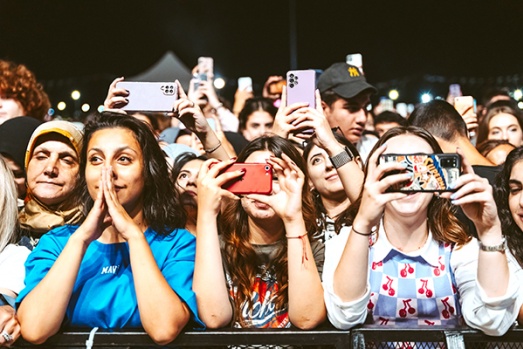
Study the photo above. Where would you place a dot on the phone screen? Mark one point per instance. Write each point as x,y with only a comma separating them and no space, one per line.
431,172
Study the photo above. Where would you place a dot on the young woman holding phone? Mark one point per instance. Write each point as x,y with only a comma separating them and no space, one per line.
408,261
263,269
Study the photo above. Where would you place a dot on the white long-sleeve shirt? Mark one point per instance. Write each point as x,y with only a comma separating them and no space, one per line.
401,297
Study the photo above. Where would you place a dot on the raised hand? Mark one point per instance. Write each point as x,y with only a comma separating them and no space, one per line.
210,181
116,97
286,199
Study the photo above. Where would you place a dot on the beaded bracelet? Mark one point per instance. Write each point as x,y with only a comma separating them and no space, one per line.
302,238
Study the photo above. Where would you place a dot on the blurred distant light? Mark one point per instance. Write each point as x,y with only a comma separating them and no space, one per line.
518,94
50,112
75,95
219,83
61,105
85,107
520,105
394,94
426,97
369,107
100,108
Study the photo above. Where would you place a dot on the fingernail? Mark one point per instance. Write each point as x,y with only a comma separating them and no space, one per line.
234,158
453,202
410,174
404,164
453,196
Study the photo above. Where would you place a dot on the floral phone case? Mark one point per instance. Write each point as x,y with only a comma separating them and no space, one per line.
432,172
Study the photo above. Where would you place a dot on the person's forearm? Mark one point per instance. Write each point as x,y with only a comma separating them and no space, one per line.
42,311
162,312
350,277
351,175
213,146
209,282
493,271
306,304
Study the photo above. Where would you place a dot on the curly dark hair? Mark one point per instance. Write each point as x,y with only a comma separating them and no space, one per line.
162,209
19,83
513,233
240,257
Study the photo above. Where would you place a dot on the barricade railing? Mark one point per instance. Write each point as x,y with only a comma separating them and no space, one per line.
365,337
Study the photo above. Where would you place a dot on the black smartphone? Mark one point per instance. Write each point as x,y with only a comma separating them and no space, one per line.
431,172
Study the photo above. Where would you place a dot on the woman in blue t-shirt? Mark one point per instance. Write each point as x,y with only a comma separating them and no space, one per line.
129,264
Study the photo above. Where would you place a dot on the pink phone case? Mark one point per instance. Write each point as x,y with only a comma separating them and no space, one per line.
150,96
301,87
257,179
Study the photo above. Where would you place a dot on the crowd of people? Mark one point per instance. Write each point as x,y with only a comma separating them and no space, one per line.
125,221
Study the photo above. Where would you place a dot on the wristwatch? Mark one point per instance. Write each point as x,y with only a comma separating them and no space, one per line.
342,158
496,248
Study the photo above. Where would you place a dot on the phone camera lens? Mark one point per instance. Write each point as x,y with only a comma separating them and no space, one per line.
291,76
267,168
291,85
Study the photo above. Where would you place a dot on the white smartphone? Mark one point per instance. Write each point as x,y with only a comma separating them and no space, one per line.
205,68
355,59
245,84
149,96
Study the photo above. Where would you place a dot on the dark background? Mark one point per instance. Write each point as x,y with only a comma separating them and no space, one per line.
413,46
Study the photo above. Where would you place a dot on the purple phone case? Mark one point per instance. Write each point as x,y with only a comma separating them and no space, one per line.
149,96
301,85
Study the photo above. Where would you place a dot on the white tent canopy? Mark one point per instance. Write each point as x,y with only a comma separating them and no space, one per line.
168,68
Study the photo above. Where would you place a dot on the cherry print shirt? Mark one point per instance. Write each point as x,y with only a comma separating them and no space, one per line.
436,285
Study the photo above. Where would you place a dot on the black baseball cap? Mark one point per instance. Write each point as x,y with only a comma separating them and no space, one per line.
345,80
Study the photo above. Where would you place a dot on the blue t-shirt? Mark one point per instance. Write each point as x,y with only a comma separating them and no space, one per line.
104,295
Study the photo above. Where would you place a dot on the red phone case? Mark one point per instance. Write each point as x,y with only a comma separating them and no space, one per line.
257,179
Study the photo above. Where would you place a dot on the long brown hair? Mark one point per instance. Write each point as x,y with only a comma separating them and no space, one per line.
441,215
240,257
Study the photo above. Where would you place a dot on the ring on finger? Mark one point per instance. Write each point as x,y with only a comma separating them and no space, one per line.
7,336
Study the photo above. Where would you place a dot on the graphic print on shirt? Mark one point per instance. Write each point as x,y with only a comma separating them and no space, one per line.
263,313
408,290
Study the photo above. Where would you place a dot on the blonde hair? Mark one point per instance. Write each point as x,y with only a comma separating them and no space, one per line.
8,206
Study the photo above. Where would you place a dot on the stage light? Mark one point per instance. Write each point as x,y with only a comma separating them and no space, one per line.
518,94
394,94
426,97
219,83
75,95
61,105
100,108
85,107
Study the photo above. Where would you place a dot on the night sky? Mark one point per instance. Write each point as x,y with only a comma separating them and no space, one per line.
410,45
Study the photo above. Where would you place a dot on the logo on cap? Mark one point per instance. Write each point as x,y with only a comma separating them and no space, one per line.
353,72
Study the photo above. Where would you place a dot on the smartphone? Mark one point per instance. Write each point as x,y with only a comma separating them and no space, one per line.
257,179
276,87
432,172
149,96
455,90
245,84
462,103
301,87
205,68
355,59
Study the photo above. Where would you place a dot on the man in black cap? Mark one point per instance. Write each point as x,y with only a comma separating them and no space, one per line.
345,95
